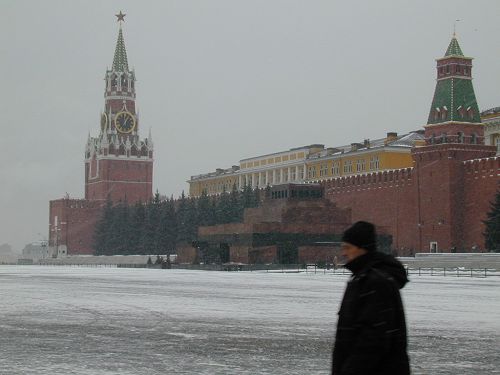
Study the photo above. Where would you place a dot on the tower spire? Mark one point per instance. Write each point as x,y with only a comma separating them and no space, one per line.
120,62
454,98
454,110
454,48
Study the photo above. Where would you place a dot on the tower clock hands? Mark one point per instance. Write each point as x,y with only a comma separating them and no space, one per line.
124,122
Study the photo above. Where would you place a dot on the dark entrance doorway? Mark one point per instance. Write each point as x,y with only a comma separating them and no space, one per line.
288,253
215,253
224,253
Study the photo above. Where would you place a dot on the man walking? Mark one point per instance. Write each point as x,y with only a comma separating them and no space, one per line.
371,329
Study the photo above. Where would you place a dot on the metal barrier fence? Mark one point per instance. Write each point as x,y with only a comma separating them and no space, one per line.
299,268
420,271
453,271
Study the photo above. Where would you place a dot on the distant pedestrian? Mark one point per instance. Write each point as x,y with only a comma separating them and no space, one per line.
371,329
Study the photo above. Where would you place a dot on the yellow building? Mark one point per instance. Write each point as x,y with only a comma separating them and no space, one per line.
491,120
313,163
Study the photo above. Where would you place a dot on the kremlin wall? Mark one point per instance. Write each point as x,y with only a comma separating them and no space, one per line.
427,191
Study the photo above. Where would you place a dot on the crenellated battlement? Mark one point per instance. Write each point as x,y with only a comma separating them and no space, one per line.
482,166
366,180
74,203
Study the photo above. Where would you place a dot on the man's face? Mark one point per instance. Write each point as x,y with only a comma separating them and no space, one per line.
350,251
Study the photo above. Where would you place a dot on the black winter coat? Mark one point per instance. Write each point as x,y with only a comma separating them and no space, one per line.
371,329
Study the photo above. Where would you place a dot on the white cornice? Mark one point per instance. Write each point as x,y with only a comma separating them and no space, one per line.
118,181
119,97
454,123
142,159
454,76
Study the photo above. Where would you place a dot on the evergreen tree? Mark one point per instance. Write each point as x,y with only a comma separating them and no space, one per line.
167,227
247,197
119,229
182,221
236,205
102,229
150,234
205,210
213,210
223,213
137,223
192,220
492,223
268,191
256,197
123,232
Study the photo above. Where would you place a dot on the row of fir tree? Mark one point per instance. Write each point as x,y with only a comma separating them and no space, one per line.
156,227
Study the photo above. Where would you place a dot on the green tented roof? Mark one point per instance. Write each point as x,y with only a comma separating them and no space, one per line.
454,48
120,62
450,95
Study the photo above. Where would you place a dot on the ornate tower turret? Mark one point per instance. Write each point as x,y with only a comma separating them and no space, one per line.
118,163
119,94
454,115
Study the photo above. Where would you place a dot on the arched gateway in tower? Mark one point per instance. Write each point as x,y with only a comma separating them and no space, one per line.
118,163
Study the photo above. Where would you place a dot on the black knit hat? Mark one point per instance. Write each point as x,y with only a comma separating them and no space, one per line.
361,234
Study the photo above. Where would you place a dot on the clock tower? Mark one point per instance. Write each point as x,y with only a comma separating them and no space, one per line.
118,163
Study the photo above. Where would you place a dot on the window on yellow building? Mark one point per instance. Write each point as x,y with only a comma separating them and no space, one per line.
311,171
374,163
323,170
335,168
360,165
348,166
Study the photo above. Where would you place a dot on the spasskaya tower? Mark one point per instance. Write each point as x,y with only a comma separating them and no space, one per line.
118,163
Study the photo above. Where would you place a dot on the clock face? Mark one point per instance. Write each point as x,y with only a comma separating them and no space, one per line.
104,122
124,122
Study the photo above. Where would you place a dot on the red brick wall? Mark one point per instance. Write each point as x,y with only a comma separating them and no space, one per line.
451,129
443,199
76,221
120,179
117,105
387,199
186,254
315,254
442,193
481,179
239,254
263,255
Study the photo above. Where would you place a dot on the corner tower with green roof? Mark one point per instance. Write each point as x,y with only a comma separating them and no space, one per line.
454,135
454,114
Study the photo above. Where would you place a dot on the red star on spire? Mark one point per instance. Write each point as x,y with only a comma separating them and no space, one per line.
120,16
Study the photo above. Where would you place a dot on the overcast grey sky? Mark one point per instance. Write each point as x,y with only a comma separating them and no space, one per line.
218,81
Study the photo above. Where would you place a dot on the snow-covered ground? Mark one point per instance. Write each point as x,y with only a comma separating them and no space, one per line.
62,320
